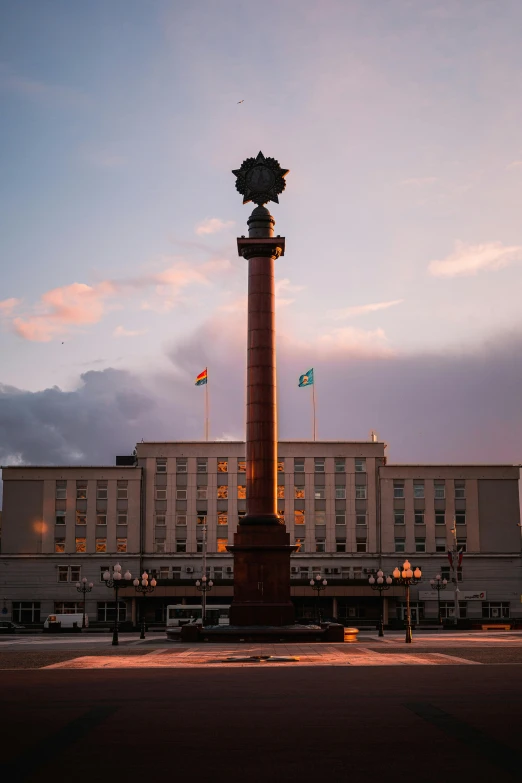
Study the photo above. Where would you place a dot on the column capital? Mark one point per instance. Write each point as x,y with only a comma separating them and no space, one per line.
257,247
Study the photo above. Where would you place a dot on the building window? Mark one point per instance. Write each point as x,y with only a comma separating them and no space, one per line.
319,464
440,518
320,544
360,519
201,464
222,465
201,493
63,573
59,545
361,546
159,545
420,544
299,517
222,492
122,519
299,493
280,465
462,544
60,518
340,465
299,465
69,573
299,545
81,545
320,493
161,465
101,490
101,544
357,573
440,491
440,545
122,490
121,545
398,489
460,518
181,519
418,489
446,572
101,519
320,517
241,466
494,609
222,519
340,519
400,544
360,493
340,544
160,520
201,519
81,490
181,465
81,519
340,493
61,490
26,612
281,516
222,544
68,607
419,517
199,546
280,491
447,609
241,492
398,518
181,545
181,494
360,465
161,494
240,515
460,490
107,611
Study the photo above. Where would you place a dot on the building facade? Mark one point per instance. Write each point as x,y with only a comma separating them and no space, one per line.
347,510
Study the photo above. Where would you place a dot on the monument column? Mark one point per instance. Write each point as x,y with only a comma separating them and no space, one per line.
261,545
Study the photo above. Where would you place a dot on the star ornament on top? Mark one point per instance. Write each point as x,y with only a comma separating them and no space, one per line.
260,180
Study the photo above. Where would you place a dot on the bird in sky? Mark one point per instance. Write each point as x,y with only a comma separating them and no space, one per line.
242,101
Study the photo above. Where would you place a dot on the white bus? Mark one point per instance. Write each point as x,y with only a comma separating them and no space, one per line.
181,614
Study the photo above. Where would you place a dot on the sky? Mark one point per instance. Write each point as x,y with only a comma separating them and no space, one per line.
400,123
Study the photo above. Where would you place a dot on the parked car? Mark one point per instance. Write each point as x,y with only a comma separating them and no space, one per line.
6,626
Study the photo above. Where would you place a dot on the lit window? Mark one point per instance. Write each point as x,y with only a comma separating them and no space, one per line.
81,545
241,466
418,489
299,493
222,465
81,490
340,493
299,545
241,492
320,517
419,517
81,519
181,519
319,464
161,465
222,519
299,517
319,493
360,519
280,491
121,545
61,490
281,517
398,490
222,492
222,544
101,544
181,465
340,465
280,465
340,519
360,493
181,494
299,465
122,519
360,465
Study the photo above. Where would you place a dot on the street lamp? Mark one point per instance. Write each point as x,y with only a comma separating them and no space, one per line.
438,584
407,577
144,587
204,585
84,588
115,583
318,584
380,583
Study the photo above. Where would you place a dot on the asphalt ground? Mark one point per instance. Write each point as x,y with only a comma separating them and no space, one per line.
424,723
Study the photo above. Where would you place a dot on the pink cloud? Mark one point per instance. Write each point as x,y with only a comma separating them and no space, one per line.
8,305
213,226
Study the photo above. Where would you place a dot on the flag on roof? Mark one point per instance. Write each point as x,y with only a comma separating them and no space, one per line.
307,379
202,378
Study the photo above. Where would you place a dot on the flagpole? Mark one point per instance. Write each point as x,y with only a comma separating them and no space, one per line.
206,407
313,408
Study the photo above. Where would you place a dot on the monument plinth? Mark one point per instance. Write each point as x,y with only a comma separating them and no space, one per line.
261,545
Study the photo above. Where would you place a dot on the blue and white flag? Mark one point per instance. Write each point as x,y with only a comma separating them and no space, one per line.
307,379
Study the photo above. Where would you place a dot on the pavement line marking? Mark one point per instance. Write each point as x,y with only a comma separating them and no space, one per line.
495,752
456,659
23,766
161,651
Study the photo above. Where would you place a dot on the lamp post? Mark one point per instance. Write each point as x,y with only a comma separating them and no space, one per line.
144,587
84,588
204,585
438,584
380,583
318,584
117,576
407,577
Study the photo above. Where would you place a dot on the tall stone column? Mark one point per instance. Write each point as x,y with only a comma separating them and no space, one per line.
261,545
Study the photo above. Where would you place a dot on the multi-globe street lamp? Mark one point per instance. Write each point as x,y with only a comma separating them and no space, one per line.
318,584
407,577
117,576
438,584
84,588
204,586
144,587
380,583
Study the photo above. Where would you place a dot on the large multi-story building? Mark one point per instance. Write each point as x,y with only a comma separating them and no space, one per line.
348,513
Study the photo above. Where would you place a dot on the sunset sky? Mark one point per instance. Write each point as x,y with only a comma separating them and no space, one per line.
400,122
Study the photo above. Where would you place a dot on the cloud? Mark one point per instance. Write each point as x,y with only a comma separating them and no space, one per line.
352,312
420,181
120,331
213,226
8,305
355,342
516,164
470,259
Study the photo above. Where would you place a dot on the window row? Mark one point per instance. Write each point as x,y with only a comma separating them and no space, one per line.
459,487
420,544
419,517
102,490
319,518
224,492
223,465
80,545
81,518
